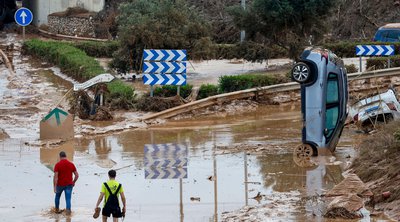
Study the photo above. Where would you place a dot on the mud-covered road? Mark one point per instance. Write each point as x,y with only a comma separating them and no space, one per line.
221,178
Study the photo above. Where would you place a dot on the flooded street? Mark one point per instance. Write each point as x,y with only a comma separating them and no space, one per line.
230,162
217,180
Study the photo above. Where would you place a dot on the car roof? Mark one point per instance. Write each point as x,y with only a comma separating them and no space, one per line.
391,26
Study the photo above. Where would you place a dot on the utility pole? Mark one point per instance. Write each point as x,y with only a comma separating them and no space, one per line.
243,33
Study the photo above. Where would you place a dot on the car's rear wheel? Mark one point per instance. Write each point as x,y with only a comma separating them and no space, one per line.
301,72
302,156
304,150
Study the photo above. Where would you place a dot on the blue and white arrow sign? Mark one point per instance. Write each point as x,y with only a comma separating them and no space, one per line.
23,17
162,79
164,55
164,67
374,50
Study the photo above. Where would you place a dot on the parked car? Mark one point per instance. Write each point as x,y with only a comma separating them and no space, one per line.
369,112
388,33
324,96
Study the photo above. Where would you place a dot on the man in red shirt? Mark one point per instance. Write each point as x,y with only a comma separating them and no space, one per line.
63,181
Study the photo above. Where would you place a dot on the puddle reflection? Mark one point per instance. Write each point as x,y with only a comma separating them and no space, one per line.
49,155
214,183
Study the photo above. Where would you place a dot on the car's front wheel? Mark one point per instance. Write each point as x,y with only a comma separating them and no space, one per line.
301,72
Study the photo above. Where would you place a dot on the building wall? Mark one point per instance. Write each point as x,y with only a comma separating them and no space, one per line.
81,26
42,8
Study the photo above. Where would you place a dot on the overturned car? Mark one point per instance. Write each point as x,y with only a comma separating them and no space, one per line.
369,112
324,95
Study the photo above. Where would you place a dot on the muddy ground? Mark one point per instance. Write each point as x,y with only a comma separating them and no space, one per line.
240,157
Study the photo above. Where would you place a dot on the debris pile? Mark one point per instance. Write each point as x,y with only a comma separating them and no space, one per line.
158,104
85,107
347,198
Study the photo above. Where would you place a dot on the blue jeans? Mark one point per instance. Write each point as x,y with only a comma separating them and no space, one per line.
68,193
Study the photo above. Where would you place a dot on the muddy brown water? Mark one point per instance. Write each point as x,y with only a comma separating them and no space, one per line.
27,191
215,183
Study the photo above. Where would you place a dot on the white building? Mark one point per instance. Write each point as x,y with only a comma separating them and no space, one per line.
42,8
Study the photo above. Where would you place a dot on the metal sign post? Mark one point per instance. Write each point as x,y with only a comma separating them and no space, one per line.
23,17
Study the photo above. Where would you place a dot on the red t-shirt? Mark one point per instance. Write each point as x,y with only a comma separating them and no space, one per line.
65,168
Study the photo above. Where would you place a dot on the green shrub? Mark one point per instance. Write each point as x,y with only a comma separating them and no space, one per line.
351,68
169,91
98,49
382,62
246,81
75,63
207,90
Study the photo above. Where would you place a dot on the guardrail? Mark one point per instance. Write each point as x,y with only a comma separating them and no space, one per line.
285,87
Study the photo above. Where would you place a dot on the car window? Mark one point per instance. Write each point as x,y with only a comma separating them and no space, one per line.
332,92
332,115
393,34
384,34
332,104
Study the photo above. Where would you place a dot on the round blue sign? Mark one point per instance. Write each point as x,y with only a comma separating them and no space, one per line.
23,17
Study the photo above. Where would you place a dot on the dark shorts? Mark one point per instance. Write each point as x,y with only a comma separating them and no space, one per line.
108,212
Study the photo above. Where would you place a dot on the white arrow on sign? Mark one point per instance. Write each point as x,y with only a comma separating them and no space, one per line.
23,16
106,77
370,50
391,50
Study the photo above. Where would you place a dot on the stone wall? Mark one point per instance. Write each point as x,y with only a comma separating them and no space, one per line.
74,25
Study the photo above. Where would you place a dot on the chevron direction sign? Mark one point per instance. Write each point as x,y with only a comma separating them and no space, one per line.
162,79
374,50
165,161
162,61
164,55
164,67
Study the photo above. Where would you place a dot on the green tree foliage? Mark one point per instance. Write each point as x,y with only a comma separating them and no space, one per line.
291,24
166,24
